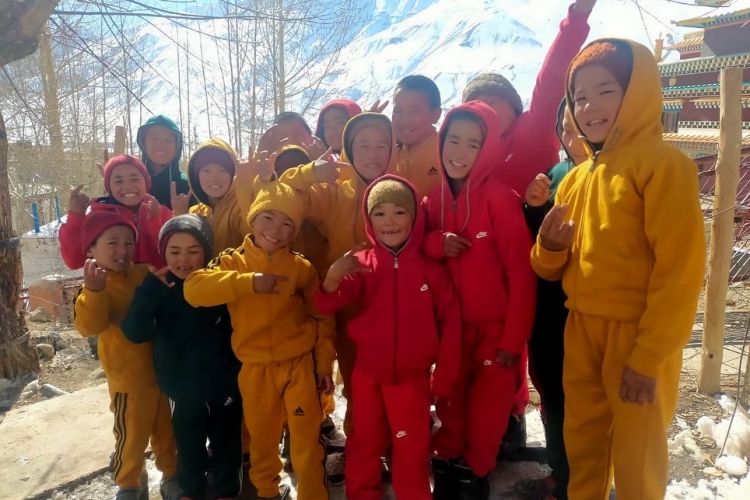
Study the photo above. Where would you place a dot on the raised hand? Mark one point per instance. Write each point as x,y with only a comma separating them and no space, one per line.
636,388
267,282
263,164
344,266
584,6
78,201
161,274
314,147
326,167
378,107
537,194
153,206
555,234
180,201
94,277
454,245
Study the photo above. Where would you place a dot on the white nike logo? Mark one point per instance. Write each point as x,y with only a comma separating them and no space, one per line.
481,234
401,434
424,288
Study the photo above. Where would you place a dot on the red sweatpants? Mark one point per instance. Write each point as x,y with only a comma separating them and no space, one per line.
522,396
395,415
475,418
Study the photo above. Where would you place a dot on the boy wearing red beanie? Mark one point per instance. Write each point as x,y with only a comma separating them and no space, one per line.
127,183
626,237
141,411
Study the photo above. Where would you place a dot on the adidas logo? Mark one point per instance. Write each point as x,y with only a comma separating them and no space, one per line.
432,171
401,434
229,401
424,288
298,412
481,234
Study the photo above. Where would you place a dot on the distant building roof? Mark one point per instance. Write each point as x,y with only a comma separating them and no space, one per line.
740,12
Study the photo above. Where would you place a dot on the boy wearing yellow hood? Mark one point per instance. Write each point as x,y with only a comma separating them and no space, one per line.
224,192
626,237
333,194
285,347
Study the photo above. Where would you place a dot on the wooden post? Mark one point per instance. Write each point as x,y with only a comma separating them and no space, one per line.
722,230
121,139
659,48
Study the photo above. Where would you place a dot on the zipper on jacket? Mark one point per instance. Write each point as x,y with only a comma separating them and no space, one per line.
589,177
395,318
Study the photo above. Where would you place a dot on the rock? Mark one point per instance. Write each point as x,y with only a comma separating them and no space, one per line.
46,351
51,391
32,387
39,316
5,405
96,374
5,384
58,340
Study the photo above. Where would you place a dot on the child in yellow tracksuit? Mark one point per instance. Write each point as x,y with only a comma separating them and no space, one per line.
285,347
141,411
626,237
333,201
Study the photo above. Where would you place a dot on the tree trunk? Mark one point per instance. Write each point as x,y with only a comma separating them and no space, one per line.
20,22
17,356
52,109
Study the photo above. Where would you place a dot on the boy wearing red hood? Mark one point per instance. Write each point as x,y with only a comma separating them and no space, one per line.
394,351
477,224
332,119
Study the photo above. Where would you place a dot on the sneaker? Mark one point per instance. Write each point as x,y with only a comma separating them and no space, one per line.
514,438
445,485
170,489
130,494
335,463
470,486
284,492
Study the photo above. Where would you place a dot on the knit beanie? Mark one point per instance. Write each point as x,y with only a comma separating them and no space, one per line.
95,223
365,120
615,55
390,190
496,85
213,155
125,160
280,197
196,226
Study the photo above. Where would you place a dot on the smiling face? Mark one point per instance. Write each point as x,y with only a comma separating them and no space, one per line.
371,152
184,254
114,248
272,230
215,180
413,118
463,141
597,96
127,185
391,224
161,145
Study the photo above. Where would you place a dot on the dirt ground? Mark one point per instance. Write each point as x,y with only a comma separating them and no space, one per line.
74,367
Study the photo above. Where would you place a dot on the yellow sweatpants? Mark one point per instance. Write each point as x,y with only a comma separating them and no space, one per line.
141,414
269,391
603,434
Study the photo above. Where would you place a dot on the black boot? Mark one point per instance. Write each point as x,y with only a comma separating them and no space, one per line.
445,484
470,486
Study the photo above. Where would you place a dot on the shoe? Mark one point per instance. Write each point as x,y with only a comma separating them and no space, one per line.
335,468
445,486
514,438
470,486
333,439
170,489
284,492
130,494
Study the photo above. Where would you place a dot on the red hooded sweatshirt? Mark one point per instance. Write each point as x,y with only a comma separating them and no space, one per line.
531,146
494,279
408,315
352,109
147,243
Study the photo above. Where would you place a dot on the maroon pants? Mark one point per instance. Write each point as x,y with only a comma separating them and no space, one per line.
396,415
475,418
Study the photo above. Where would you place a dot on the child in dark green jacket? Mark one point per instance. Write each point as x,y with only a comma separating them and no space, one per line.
193,360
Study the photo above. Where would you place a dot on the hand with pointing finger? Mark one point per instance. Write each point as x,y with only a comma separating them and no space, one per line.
378,107
161,274
267,283
344,266
180,201
78,202
556,233
94,277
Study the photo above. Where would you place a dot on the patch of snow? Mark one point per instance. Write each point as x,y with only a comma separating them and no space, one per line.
737,447
714,489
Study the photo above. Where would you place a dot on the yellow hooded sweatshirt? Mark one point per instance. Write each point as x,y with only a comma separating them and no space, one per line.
126,365
227,215
267,327
638,251
419,164
337,207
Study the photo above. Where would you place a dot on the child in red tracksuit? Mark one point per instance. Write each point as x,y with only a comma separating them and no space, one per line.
127,182
408,319
477,224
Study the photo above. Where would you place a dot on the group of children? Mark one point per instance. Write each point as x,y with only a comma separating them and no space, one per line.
406,255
